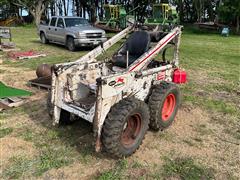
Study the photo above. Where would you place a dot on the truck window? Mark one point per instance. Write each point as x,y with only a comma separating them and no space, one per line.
60,23
53,21
72,22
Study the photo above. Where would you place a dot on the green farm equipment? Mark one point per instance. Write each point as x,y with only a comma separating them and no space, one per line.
163,14
164,18
115,18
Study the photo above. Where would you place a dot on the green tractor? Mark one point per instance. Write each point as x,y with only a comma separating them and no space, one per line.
115,18
163,14
164,18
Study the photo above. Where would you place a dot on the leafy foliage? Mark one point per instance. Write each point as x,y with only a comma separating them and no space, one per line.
229,12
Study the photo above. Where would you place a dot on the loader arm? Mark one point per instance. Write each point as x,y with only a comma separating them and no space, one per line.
91,56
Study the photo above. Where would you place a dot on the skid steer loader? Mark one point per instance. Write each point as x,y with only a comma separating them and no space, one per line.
123,96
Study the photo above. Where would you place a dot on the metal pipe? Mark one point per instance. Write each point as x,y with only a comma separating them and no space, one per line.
127,59
155,70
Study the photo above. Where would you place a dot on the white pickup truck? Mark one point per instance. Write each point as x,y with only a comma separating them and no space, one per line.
71,32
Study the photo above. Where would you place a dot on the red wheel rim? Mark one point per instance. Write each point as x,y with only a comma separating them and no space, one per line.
168,107
131,130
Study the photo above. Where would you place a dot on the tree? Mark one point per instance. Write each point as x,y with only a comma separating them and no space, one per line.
229,12
199,6
35,7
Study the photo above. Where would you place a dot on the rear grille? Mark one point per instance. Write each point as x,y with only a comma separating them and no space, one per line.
94,35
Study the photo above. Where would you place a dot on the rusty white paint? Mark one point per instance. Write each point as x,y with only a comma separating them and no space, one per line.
113,86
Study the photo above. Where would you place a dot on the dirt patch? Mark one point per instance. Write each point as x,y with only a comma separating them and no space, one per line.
227,97
16,77
191,135
11,146
79,170
201,76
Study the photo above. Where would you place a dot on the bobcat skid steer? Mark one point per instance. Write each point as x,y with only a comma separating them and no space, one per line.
123,96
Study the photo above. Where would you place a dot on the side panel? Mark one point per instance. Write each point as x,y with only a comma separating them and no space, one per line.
103,107
51,29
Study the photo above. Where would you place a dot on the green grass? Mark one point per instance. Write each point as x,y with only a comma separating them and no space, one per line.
5,131
185,168
26,39
49,157
56,147
21,166
215,66
53,157
2,71
116,173
213,105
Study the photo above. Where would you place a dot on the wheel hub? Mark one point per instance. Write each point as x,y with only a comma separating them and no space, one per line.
168,107
131,130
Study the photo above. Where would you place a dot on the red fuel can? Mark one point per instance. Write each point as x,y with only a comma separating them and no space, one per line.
179,76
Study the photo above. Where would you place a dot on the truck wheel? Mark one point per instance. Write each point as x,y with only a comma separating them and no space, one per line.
125,127
70,44
163,103
49,104
43,38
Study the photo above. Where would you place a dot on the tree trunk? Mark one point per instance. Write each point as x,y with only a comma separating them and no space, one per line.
64,7
180,10
68,2
77,5
38,19
37,12
238,24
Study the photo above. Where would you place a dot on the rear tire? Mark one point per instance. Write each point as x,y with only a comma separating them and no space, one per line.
65,118
70,44
125,127
163,103
43,38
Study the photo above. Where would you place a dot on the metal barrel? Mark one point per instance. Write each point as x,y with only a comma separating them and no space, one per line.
43,70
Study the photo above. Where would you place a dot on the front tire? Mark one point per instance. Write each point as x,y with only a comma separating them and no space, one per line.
43,38
71,44
163,103
125,127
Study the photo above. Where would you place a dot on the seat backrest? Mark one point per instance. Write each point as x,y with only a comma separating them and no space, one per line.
138,43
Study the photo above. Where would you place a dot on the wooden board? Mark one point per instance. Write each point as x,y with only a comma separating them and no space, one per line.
7,103
30,57
42,82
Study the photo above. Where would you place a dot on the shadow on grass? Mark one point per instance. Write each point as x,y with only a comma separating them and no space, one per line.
77,134
57,146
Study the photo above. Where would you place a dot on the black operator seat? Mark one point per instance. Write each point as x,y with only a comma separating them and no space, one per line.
136,45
